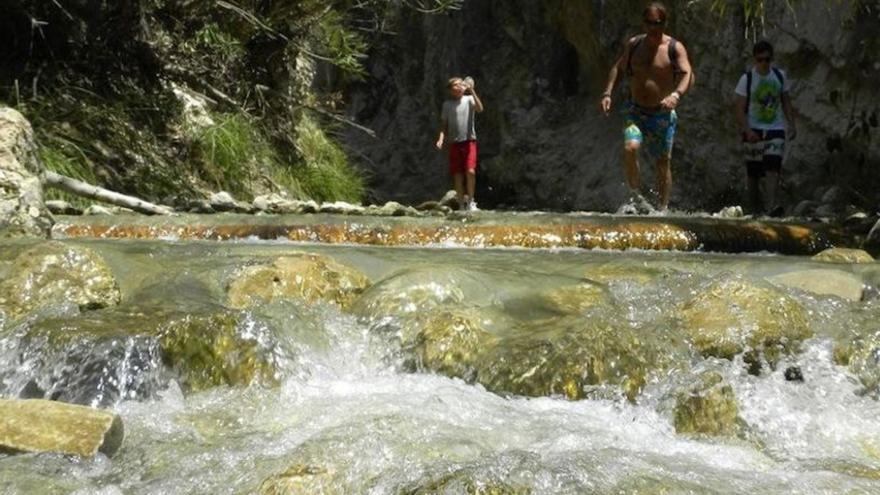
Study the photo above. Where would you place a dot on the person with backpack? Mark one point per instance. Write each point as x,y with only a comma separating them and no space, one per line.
766,119
659,74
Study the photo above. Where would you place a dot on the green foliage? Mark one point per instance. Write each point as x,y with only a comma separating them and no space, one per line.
211,38
231,151
343,47
327,175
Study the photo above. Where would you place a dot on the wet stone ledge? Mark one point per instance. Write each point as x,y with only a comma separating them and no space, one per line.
480,230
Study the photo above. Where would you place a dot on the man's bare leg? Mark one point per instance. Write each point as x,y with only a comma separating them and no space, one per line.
471,183
664,181
631,166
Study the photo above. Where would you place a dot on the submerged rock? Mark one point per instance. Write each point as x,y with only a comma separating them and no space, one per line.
862,355
465,481
301,479
732,316
22,211
420,290
823,282
447,342
306,276
47,426
708,407
575,299
574,355
54,273
844,255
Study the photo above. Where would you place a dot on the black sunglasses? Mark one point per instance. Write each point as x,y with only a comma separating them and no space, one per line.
658,22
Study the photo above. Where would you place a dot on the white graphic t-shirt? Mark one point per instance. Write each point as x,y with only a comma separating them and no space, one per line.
765,104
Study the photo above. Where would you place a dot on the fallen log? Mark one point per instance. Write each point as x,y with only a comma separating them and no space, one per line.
80,188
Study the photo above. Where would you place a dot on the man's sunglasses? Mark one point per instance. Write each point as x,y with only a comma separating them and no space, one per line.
658,22
763,59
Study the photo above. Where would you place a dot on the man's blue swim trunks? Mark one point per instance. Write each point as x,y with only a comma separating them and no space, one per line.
654,130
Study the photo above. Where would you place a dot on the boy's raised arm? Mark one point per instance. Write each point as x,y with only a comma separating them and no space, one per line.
442,136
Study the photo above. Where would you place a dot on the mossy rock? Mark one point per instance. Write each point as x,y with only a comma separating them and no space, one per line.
732,316
571,356
301,479
707,408
215,349
306,276
416,291
844,255
862,355
54,272
102,357
451,343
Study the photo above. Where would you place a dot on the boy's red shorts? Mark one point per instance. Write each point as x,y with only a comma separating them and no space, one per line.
462,157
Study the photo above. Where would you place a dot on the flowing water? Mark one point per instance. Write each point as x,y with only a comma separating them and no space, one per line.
351,411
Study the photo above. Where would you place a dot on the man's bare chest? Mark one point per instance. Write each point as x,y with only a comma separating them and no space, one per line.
648,61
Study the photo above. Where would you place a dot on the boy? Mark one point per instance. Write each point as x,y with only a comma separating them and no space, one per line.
457,126
766,118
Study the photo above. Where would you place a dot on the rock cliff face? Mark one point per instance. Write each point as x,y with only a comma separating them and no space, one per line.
21,195
540,67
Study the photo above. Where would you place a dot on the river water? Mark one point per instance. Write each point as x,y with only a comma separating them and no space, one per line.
351,414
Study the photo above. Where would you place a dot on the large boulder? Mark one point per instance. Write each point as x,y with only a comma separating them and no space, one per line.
101,358
53,273
306,276
22,211
579,357
731,316
47,426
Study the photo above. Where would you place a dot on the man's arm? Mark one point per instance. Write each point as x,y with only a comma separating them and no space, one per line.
605,101
742,121
685,73
790,114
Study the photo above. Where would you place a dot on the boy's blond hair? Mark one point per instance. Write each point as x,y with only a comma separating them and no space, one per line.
453,81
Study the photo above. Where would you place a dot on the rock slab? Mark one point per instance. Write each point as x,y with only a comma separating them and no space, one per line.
37,425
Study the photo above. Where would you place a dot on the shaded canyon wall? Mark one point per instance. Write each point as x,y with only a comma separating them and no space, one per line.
540,67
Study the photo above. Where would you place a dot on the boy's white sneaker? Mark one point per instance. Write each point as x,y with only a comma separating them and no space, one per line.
472,206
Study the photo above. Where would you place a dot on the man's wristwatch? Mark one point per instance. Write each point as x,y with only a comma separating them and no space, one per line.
606,95
677,94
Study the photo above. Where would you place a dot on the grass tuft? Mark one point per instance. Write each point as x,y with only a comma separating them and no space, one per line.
327,175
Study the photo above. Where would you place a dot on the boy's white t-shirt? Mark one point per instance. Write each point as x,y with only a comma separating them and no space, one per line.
459,118
765,105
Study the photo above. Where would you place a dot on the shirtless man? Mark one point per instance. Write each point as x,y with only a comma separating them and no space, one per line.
659,75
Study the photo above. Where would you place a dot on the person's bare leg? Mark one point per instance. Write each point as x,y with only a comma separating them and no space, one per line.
458,183
631,166
471,183
754,189
664,181
771,186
